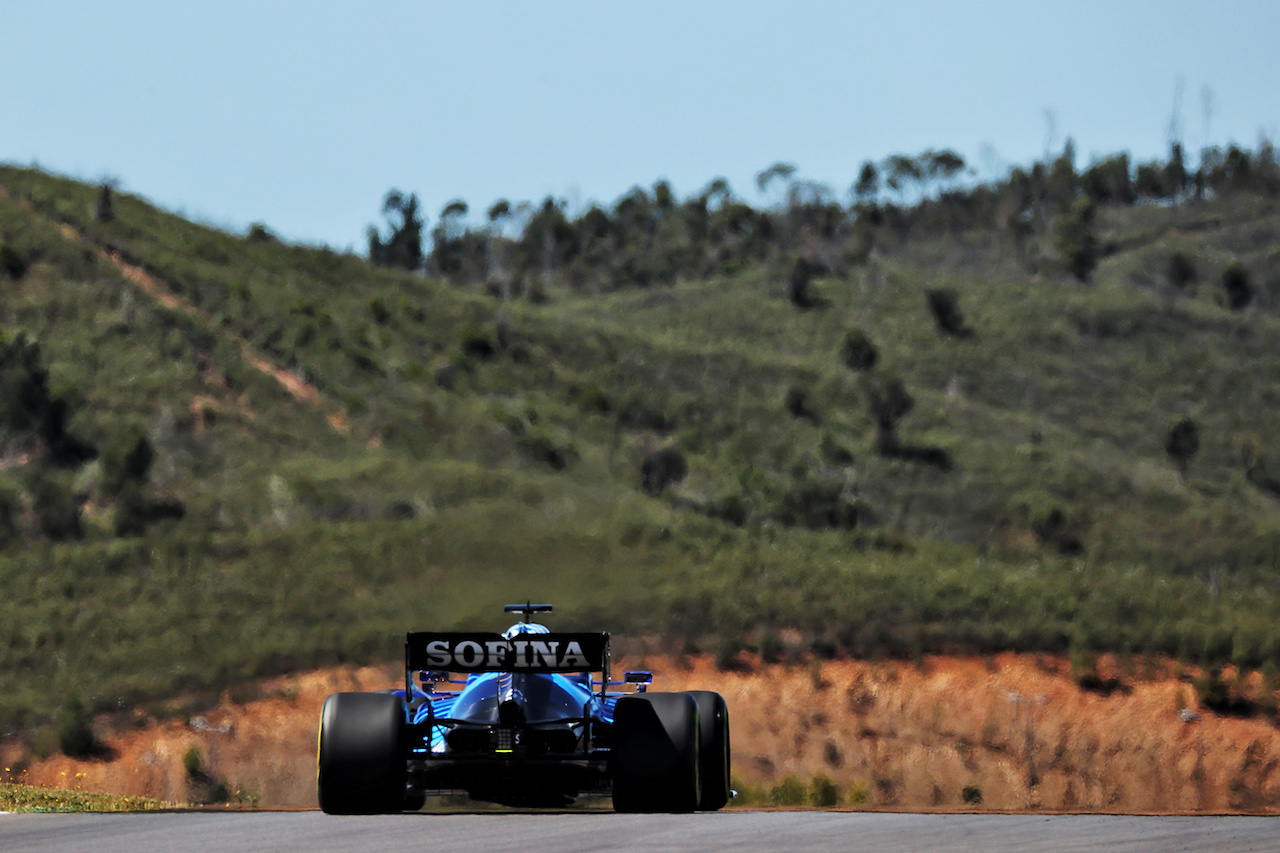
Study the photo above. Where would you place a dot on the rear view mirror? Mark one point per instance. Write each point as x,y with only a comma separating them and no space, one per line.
638,676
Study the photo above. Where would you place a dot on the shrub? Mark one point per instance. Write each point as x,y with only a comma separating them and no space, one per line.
859,794
823,792
135,512
789,792
637,413
366,360
259,233
25,400
131,512
55,505
592,399
889,402
1220,696
536,292
728,651
1210,688
861,242
1267,688
1085,673
944,305
44,742
833,451
127,463
971,795
1182,270
1182,443
303,334
11,506
819,506
1076,240
858,352
446,374
541,446
379,311
662,468
1021,225
474,341
105,208
1236,286
731,506
798,284
504,330
12,262
748,794
1061,528
218,792
193,763
796,402
771,646
75,730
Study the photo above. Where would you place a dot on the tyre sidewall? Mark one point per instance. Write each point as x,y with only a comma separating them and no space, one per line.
713,749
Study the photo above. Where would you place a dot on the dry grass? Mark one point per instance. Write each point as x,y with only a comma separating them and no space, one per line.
30,798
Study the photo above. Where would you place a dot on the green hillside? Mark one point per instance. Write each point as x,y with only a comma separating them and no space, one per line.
686,453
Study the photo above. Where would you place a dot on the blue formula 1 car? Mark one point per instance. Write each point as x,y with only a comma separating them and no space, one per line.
532,726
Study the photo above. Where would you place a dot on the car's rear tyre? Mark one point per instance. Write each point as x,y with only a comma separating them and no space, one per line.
713,749
654,753
360,766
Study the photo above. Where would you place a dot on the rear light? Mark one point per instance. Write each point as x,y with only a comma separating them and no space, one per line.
504,739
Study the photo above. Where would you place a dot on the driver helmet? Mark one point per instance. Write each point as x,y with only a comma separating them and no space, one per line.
524,628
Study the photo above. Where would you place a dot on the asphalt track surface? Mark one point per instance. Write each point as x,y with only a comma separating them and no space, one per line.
313,832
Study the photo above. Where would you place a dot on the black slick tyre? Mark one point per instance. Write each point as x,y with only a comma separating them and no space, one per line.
360,767
654,754
713,749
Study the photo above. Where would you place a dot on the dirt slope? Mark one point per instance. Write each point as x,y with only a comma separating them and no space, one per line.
911,737
158,291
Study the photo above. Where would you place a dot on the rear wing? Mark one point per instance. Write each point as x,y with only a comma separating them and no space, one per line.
456,651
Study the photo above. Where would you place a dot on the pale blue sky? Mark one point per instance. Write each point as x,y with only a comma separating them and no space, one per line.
302,115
